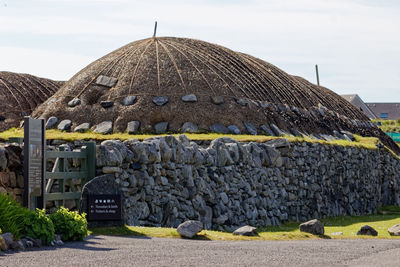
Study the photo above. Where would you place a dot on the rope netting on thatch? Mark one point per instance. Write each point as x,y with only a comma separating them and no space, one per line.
20,94
174,67
177,66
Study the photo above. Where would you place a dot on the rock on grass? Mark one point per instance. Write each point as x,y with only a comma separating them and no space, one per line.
394,230
246,231
367,230
314,227
190,228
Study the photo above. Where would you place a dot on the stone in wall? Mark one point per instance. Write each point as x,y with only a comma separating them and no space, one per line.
11,168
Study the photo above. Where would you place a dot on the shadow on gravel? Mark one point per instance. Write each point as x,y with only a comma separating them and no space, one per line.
115,231
88,244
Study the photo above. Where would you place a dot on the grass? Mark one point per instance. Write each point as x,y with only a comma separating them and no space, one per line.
391,126
365,142
348,225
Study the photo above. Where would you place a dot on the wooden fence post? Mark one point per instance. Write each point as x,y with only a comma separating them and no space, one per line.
90,160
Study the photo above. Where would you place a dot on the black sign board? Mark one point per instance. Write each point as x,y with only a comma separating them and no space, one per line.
104,207
34,149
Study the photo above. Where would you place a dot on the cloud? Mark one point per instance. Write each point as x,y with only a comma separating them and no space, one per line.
355,42
47,64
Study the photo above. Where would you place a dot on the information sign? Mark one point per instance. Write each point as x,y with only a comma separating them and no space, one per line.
34,149
104,207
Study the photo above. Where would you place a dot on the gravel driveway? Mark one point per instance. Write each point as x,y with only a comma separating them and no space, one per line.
133,251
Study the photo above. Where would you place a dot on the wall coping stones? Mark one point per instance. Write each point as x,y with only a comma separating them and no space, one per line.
276,130
51,122
266,130
82,127
189,127
234,129
219,128
104,127
133,127
65,125
250,128
161,127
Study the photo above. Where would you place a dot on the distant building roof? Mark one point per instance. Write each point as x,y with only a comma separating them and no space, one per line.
390,111
359,103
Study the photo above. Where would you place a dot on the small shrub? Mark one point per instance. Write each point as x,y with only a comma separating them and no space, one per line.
69,224
39,225
12,216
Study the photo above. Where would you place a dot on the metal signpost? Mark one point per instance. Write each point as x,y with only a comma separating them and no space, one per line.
34,162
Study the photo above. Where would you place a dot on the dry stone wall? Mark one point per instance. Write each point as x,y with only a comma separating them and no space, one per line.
225,183
11,171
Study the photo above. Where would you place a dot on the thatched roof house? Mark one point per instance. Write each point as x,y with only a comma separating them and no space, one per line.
179,84
20,94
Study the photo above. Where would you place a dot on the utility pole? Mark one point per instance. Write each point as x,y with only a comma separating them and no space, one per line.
316,72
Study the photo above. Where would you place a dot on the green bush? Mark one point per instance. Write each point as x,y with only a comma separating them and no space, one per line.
69,224
39,225
12,216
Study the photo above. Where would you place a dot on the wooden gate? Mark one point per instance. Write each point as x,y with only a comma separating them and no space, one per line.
62,175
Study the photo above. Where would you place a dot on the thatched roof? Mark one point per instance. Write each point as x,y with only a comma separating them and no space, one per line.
174,67
20,94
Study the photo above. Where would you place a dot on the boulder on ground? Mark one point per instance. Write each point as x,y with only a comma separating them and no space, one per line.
314,227
246,231
394,230
190,228
3,244
367,230
8,239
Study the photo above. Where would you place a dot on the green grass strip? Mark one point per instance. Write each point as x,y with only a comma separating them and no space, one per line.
348,225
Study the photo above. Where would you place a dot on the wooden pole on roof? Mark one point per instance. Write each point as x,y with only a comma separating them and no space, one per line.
155,30
316,72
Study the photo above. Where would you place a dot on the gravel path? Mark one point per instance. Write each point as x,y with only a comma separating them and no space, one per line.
130,251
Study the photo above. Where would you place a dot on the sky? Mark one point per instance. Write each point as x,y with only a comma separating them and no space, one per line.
356,43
